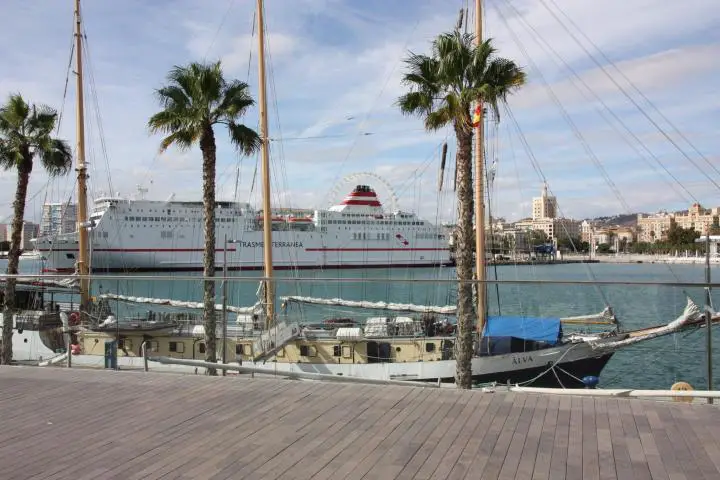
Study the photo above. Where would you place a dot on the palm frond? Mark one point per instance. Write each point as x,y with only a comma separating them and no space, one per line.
244,138
182,77
173,96
56,158
439,118
415,103
236,99
422,71
183,139
197,95
14,113
41,121
8,155
170,120
209,83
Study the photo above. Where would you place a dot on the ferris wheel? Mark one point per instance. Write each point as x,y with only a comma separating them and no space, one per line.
386,194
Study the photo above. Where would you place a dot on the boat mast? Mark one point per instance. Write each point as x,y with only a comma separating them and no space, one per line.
480,195
83,263
265,161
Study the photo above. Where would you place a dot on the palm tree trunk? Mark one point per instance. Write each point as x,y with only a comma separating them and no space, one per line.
465,238
14,258
207,146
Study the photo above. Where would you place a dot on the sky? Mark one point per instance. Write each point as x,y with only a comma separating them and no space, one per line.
620,113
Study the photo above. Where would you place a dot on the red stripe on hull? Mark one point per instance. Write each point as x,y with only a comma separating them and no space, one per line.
399,249
171,250
259,267
138,250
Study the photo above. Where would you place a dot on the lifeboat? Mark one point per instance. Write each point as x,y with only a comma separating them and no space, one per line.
300,220
260,218
338,322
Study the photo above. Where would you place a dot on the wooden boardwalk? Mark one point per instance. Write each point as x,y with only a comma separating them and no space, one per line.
81,424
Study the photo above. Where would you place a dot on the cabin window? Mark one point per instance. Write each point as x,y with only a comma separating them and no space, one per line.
430,347
308,351
177,347
346,352
337,350
201,347
70,256
243,349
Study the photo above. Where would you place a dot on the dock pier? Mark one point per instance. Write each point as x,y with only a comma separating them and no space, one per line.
61,423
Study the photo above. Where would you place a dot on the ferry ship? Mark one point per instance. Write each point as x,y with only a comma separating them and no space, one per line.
147,235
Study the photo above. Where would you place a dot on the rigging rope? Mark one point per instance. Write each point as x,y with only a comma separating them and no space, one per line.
627,95
547,48
536,166
566,116
96,109
226,15
586,146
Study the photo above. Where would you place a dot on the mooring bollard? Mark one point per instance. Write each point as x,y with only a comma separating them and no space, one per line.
68,352
143,347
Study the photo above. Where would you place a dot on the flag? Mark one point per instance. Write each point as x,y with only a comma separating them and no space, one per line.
477,116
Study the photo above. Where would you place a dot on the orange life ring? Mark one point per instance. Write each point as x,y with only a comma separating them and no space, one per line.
74,318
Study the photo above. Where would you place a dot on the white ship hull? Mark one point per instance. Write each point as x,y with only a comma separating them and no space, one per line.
292,250
140,235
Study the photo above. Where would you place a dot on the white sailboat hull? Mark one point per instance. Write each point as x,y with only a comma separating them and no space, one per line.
28,344
566,360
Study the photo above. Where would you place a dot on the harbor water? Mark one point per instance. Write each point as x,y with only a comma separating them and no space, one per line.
657,363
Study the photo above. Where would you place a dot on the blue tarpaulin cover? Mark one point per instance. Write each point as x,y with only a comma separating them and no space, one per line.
528,328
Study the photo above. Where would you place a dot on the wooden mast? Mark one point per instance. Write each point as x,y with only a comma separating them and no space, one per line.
265,161
480,195
83,263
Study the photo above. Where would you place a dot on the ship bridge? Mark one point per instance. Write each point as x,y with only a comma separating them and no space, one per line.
362,199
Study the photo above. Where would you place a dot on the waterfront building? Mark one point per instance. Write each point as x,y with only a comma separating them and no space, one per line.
58,218
653,228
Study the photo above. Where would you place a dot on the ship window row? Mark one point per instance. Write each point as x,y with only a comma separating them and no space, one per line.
366,236
171,211
173,219
372,222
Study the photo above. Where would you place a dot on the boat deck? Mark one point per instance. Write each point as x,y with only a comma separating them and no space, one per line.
59,423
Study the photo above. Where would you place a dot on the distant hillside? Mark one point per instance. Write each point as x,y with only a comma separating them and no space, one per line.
627,220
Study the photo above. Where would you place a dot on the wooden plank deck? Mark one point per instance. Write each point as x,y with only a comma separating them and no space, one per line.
57,423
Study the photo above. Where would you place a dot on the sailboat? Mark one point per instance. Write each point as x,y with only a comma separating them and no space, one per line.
413,342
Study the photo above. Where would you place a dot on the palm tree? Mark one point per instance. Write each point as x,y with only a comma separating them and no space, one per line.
196,98
25,134
442,89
